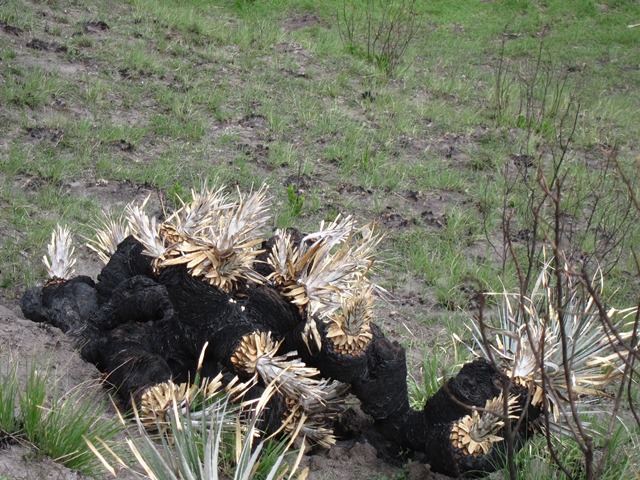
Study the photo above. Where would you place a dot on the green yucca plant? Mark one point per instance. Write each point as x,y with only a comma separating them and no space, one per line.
421,389
555,342
212,437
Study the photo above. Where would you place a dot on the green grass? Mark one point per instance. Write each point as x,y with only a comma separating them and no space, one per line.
9,423
175,92
54,423
29,87
534,461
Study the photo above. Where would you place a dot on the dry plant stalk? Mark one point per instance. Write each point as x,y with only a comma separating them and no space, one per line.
381,31
567,344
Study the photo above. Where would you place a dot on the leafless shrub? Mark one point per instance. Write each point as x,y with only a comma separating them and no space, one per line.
573,219
380,31
530,94
593,217
575,343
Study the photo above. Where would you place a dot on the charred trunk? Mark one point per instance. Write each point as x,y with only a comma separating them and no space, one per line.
142,327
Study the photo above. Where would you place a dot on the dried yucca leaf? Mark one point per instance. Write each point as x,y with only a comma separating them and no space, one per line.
146,231
199,213
256,355
323,268
475,434
59,260
109,233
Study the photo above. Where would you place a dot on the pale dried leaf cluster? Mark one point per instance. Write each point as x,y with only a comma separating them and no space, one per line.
216,238
349,328
59,260
109,233
476,433
311,401
527,344
325,275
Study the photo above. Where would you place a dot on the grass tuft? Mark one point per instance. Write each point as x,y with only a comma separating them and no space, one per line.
52,422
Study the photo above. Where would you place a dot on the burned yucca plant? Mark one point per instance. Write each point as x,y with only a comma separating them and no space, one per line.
214,237
65,300
294,315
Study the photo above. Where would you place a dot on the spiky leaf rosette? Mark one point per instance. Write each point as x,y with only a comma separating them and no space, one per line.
297,383
225,442
146,231
312,417
216,239
253,347
196,399
221,247
199,213
529,334
59,260
158,399
109,233
332,271
322,268
289,259
476,433
349,328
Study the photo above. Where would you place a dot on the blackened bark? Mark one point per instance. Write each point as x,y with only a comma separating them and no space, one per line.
476,383
65,304
127,356
136,299
382,386
126,262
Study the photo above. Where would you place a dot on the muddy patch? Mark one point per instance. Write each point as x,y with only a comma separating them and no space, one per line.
37,44
305,20
11,30
114,196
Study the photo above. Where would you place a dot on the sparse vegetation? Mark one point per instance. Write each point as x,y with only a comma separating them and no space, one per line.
295,201
443,132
